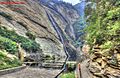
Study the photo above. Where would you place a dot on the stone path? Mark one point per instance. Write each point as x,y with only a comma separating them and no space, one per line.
84,70
33,73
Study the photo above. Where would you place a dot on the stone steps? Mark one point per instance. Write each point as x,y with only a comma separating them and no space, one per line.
56,65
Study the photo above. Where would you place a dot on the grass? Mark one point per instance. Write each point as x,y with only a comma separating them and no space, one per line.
68,75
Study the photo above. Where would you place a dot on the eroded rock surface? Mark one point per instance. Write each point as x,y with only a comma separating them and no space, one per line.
31,17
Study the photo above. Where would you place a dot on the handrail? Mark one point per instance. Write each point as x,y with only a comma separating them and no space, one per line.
62,41
64,65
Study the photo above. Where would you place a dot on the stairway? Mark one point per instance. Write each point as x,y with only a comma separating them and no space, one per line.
54,65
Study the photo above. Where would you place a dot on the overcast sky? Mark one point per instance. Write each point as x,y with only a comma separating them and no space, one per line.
72,1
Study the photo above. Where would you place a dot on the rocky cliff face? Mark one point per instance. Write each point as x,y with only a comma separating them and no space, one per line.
32,17
105,49
64,14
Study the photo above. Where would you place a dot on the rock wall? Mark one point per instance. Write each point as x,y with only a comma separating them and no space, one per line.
103,66
31,17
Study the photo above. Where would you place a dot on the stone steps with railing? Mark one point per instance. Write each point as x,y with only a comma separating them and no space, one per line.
52,65
48,64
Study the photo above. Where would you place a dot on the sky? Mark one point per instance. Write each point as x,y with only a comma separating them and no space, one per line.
72,1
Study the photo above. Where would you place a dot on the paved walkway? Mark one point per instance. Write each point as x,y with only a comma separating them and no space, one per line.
85,71
33,73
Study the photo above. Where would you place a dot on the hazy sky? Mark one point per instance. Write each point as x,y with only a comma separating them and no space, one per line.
72,1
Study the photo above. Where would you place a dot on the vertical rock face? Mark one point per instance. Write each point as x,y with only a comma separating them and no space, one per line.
81,7
64,14
31,17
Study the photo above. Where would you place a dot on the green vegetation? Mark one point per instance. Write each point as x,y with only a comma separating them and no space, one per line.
8,45
70,66
104,24
8,60
68,75
78,26
27,44
9,42
103,36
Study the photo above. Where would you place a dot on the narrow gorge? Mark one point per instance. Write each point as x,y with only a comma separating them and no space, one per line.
59,39
43,30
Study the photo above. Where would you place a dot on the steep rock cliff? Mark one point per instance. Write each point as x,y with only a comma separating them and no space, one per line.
32,17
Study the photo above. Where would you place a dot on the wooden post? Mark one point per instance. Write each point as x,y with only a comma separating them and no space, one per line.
21,53
79,68
78,71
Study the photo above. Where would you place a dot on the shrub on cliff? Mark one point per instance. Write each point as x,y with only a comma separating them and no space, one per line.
8,45
103,35
104,24
28,44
